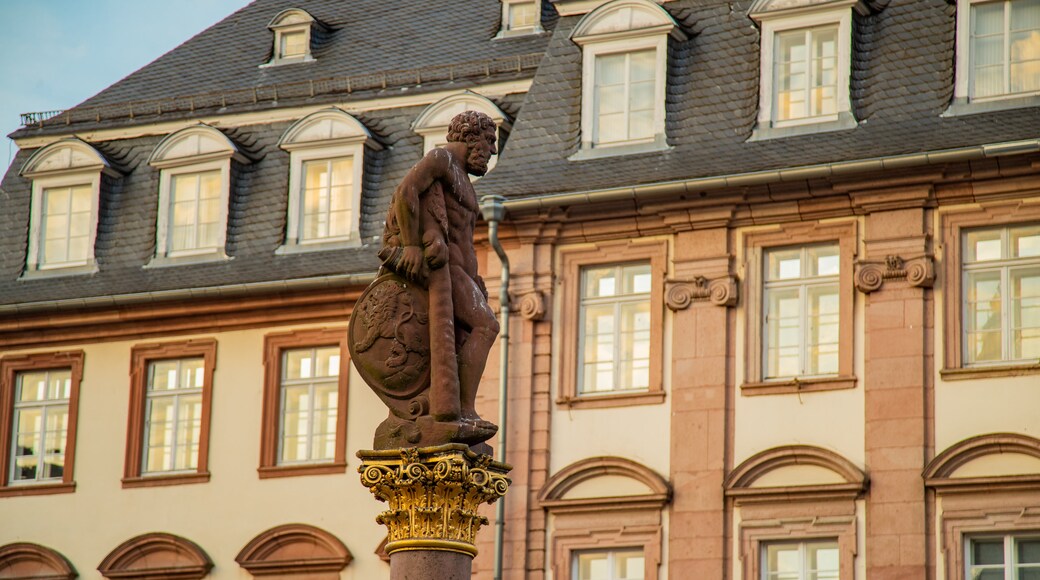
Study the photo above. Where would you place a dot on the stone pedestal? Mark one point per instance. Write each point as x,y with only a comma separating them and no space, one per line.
432,496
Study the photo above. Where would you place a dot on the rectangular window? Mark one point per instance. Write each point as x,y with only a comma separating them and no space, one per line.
65,226
1010,557
802,312
806,73
810,560
1005,48
195,216
173,415
310,403
293,44
39,394
609,565
327,195
624,99
615,321
522,15
171,386
1002,294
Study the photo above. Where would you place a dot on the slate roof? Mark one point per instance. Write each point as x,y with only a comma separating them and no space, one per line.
902,81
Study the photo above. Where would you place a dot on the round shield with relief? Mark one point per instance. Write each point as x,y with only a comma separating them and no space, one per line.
390,338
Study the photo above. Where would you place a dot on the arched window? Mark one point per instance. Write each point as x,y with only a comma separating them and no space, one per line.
326,167
624,44
156,556
433,122
66,192
194,183
292,36
295,550
26,561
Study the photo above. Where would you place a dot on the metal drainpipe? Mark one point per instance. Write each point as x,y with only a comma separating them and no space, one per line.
493,210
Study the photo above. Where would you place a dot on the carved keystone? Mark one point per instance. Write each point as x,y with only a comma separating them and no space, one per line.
433,494
871,274
679,294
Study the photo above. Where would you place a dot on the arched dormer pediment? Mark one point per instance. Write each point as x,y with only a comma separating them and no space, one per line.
767,8
985,461
330,126
154,554
622,18
796,470
615,481
194,145
66,156
290,17
294,549
438,115
26,561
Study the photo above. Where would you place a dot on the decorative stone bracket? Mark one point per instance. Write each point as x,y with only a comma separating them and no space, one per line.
433,494
871,274
679,294
530,305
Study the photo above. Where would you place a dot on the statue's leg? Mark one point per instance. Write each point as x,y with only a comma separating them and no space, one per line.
472,310
444,372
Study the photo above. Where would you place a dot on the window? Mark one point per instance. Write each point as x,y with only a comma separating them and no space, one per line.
625,51
1002,294
612,350
326,160
40,397
292,37
805,67
1009,557
615,322
194,192
802,313
171,388
609,565
817,560
520,17
66,178
800,303
433,122
305,394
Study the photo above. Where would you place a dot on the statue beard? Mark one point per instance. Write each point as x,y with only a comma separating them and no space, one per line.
476,164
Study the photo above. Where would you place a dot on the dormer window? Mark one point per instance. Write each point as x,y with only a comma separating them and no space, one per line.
194,188
66,184
326,166
433,122
521,17
805,64
292,36
624,45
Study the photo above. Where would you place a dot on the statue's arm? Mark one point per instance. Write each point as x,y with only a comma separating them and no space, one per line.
434,165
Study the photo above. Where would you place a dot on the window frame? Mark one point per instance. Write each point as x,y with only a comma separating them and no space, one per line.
298,157
508,32
141,356
611,556
572,261
953,223
756,243
290,21
802,544
275,344
840,14
39,186
1010,539
963,89
163,238
10,367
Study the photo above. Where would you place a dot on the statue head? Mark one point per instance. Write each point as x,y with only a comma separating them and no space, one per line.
477,131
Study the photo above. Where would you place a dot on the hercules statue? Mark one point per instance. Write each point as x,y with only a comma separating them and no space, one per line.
421,333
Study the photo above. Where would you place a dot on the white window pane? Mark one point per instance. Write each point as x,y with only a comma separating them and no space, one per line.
610,70
1025,338
784,265
643,65
1025,14
823,261
983,323
630,566
982,245
294,44
1025,242
985,552
521,15
987,18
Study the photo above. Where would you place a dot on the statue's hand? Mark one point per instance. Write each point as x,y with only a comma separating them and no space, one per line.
411,262
436,251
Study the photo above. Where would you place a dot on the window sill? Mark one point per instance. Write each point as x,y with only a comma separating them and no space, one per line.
785,387
962,106
37,489
585,153
80,270
161,480
970,373
519,33
617,400
304,248
288,60
267,472
167,261
764,131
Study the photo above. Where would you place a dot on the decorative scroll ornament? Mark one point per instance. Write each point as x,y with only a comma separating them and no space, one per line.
433,494
871,274
532,305
679,294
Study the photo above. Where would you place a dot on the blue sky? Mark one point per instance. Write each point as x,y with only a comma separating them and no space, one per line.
57,53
